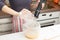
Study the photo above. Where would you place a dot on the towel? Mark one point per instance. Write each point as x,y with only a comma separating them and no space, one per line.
24,21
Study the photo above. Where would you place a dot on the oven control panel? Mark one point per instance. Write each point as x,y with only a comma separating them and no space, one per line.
48,19
50,15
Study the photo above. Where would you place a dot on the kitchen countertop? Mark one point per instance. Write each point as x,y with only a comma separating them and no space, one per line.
4,15
45,33
50,10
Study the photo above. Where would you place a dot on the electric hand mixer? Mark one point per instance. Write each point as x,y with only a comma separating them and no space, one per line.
37,11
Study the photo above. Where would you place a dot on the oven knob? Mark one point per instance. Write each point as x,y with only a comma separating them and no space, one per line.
43,14
50,15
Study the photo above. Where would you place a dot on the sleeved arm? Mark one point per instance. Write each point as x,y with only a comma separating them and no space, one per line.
1,4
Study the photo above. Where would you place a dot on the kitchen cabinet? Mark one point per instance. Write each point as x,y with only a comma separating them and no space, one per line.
5,23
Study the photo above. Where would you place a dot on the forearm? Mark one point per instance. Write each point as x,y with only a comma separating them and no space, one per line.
9,10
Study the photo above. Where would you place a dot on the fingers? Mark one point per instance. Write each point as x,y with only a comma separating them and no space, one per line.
25,11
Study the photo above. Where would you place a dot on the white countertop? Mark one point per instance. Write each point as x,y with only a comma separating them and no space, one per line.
45,33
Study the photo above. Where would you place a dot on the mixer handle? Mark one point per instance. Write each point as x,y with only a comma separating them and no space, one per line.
37,11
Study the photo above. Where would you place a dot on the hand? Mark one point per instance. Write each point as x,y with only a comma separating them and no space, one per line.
43,4
26,14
